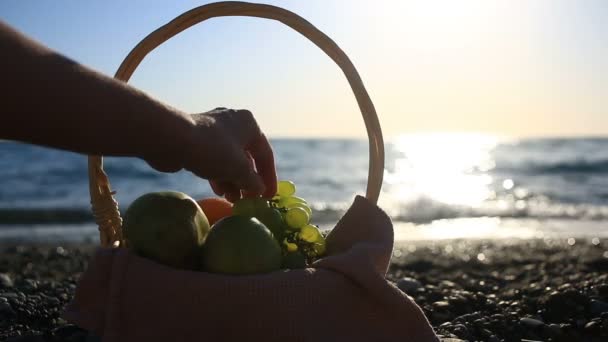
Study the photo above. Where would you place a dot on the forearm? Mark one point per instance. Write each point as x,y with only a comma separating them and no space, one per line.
53,101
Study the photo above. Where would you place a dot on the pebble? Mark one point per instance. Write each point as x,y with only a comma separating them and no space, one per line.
563,305
461,331
531,322
409,285
597,307
10,295
592,326
521,293
5,281
6,311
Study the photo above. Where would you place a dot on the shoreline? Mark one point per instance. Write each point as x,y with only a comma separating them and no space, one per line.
471,228
490,290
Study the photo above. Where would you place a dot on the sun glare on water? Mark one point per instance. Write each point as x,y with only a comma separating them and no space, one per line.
446,168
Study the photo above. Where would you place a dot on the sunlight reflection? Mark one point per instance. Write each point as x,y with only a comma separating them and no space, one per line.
448,168
465,228
500,228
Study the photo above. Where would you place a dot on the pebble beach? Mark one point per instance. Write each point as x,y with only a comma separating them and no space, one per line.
470,290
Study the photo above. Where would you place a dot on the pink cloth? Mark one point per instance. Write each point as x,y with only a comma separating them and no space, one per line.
342,297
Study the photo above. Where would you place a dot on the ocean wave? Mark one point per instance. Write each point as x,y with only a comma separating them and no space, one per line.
424,210
574,166
566,166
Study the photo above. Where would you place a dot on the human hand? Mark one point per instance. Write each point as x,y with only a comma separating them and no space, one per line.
228,148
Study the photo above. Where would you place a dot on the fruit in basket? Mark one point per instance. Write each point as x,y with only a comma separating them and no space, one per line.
296,218
167,227
310,233
250,206
300,236
215,208
273,220
240,245
286,188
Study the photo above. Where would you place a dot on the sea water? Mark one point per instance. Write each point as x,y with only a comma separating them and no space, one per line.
436,186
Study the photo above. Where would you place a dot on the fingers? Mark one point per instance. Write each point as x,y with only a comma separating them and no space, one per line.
244,126
244,158
246,179
226,189
233,192
262,154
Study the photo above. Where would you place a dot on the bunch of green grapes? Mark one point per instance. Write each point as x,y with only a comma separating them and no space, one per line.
288,218
302,239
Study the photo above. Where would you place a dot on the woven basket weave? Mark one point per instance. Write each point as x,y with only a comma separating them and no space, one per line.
104,206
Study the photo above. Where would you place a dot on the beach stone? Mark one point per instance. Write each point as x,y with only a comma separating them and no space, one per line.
432,293
531,323
29,285
28,338
600,264
561,306
419,266
493,338
69,333
602,290
460,304
597,307
552,330
53,300
593,326
9,295
6,311
409,285
447,283
462,331
5,281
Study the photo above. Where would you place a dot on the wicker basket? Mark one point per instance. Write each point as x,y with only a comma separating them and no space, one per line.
105,208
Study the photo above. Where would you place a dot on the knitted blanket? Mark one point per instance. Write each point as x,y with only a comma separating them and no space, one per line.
341,297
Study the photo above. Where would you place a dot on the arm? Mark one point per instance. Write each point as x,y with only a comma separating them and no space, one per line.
53,101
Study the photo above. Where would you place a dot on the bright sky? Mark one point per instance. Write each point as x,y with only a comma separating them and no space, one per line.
513,67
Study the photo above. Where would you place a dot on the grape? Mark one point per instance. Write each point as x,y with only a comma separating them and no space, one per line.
296,218
300,239
249,206
293,199
286,188
285,202
301,205
310,233
291,247
319,246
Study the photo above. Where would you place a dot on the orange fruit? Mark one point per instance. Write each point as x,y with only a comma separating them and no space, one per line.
215,208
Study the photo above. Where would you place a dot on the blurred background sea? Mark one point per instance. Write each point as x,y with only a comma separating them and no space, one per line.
436,186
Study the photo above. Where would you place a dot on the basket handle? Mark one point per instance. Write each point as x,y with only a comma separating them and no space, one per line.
105,208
